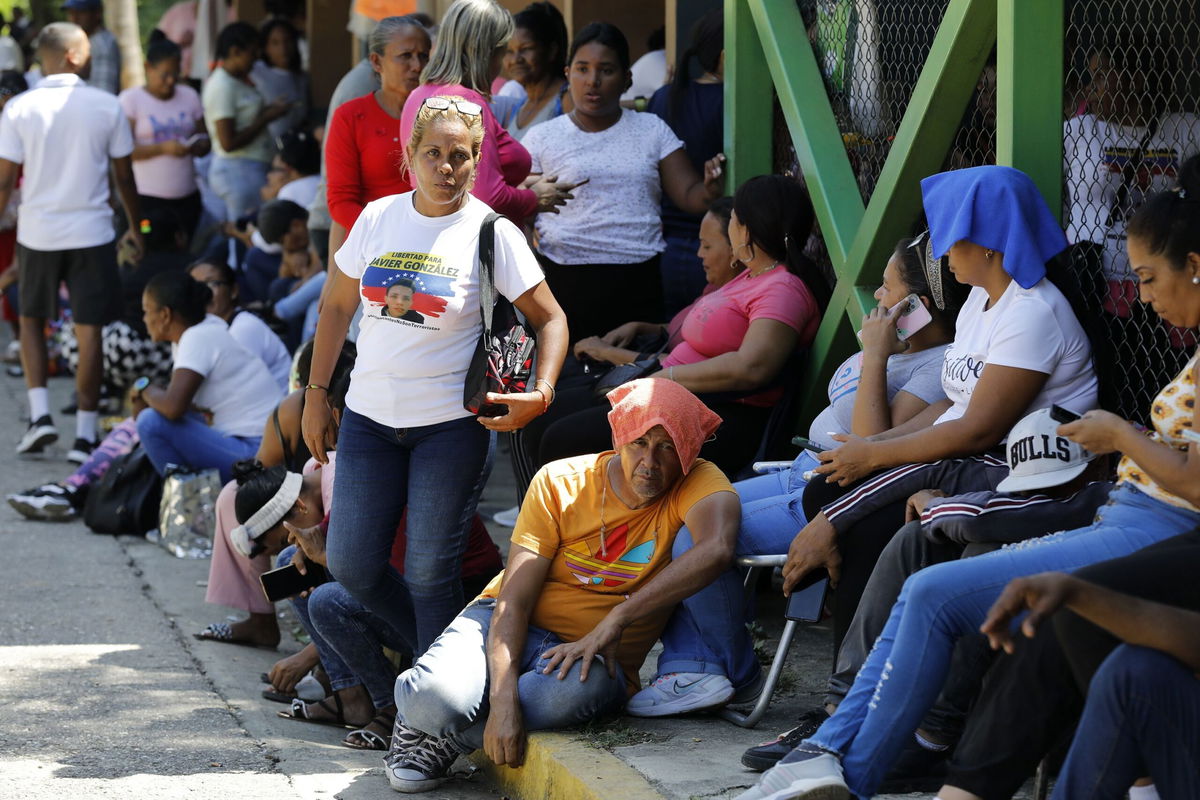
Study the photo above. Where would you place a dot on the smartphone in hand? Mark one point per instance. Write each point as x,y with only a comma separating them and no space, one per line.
806,603
287,581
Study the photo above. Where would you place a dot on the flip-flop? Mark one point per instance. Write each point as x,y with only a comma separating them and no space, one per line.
299,712
223,632
371,740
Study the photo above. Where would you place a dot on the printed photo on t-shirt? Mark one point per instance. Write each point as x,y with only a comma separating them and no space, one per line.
408,288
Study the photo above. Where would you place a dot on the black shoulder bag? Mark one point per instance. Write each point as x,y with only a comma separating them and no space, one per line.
503,360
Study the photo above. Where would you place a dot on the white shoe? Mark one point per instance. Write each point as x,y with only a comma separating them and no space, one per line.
41,432
507,517
680,693
816,778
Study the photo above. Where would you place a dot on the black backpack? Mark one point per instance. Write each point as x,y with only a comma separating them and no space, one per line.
126,498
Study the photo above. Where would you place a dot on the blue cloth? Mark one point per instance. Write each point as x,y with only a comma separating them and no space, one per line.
1142,719
438,472
995,207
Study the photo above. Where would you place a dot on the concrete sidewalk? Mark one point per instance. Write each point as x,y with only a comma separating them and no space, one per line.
104,692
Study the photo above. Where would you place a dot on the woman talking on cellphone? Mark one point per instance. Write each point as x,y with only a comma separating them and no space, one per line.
405,438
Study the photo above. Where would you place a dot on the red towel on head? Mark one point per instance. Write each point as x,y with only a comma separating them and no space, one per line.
639,405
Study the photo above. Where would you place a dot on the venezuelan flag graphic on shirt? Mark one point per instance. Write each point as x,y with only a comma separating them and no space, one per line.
432,280
614,564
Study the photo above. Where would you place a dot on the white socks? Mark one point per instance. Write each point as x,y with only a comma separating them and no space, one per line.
85,425
39,403
1143,792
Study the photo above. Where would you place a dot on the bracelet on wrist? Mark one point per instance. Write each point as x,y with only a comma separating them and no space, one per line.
317,386
545,400
549,386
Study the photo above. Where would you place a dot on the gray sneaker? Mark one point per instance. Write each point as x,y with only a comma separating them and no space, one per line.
418,762
817,777
680,693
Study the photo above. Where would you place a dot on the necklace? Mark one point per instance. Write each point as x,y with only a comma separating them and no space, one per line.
754,274
603,499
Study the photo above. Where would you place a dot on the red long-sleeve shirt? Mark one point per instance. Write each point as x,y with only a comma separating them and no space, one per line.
363,158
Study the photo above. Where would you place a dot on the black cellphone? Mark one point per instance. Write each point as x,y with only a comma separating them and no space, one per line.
288,581
1063,415
807,444
807,600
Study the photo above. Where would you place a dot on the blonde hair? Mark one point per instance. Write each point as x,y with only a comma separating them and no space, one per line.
470,32
426,116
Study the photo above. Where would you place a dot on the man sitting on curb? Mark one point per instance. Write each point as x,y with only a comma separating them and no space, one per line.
557,639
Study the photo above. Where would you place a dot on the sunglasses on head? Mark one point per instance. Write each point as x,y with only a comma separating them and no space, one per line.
445,103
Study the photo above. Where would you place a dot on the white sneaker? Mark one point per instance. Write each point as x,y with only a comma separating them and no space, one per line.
51,502
680,693
41,432
507,517
816,778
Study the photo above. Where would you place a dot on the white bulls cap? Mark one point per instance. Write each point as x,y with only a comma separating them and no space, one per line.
1038,457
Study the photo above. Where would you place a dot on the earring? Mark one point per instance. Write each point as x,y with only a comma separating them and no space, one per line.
1196,280
988,254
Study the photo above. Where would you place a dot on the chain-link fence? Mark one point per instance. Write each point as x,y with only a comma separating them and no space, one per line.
1130,99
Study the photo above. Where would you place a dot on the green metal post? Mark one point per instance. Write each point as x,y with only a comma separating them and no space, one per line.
748,98
1029,92
814,130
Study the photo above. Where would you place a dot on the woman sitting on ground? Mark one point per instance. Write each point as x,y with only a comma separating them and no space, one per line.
735,340
347,639
220,394
884,385
63,501
233,579
247,328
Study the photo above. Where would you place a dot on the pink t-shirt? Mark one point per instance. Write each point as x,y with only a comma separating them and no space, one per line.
718,321
154,121
503,164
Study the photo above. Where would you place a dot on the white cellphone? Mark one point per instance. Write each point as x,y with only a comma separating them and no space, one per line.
195,137
914,317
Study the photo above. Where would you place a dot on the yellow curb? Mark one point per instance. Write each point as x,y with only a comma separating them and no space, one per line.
560,767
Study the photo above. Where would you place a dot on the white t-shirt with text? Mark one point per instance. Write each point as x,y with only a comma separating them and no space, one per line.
237,387
411,367
616,217
1031,329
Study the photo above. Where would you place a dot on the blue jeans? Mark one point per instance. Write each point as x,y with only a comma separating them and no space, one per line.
908,665
349,638
300,307
707,632
237,182
445,694
190,443
1142,718
438,471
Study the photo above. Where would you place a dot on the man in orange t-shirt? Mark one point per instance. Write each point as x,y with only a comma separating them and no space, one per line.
558,638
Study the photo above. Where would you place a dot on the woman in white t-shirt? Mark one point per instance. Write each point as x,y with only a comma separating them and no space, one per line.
166,119
601,250
1018,347
405,437
212,412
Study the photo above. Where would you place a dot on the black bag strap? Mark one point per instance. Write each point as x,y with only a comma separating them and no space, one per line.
487,271
287,451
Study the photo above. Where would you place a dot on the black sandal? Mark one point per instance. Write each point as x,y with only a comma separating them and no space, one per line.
299,712
371,739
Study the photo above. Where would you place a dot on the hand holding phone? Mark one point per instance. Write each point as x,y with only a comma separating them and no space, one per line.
806,603
289,581
913,317
1063,415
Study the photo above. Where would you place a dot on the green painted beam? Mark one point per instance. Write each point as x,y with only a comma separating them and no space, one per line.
815,135
1029,92
922,142
748,99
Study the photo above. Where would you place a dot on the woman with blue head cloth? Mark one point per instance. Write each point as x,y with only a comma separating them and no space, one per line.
1155,498
1018,346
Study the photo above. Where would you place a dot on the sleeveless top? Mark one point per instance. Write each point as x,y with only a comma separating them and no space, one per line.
296,460
1171,414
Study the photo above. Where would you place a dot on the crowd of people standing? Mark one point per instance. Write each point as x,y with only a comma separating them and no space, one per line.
295,304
